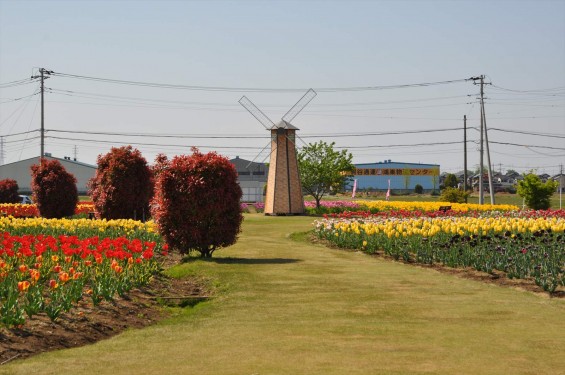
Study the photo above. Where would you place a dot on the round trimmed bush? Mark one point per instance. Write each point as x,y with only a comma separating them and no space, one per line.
9,191
122,186
197,202
54,189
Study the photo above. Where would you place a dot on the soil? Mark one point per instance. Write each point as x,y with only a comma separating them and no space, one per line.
86,324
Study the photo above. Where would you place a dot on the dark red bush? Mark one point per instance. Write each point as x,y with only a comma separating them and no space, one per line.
196,203
9,191
54,189
122,186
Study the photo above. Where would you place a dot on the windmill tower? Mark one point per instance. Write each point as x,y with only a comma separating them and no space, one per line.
284,190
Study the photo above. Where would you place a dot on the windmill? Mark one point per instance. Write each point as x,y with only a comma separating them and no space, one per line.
284,190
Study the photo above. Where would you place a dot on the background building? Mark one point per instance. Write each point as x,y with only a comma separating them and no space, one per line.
21,172
252,178
403,176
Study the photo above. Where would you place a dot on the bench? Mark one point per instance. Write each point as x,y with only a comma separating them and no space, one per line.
444,208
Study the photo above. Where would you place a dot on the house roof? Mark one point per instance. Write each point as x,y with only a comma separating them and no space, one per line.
242,164
284,125
56,158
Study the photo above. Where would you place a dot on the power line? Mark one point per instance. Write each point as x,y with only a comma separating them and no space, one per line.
250,89
530,91
550,135
89,95
324,135
17,83
20,133
152,144
18,99
527,146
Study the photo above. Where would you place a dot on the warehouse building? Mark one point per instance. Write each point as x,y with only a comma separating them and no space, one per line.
403,177
252,178
21,172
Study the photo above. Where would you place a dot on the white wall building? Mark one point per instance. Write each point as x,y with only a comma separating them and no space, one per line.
21,172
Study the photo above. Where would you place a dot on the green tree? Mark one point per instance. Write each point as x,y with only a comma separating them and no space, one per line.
322,168
453,195
435,179
450,181
536,194
406,174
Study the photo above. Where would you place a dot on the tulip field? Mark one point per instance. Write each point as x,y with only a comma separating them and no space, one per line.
30,210
50,265
523,244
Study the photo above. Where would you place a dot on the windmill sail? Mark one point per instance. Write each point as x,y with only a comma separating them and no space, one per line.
299,106
256,112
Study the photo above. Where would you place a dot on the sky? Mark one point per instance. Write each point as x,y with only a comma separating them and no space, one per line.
392,78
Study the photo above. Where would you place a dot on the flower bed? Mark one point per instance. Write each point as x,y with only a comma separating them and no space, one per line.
522,247
30,210
48,266
375,206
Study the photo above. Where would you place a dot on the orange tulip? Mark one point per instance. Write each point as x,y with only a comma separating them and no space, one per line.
23,285
53,284
63,277
34,274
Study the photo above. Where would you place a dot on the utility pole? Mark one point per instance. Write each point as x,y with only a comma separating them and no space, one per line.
481,149
44,74
42,153
465,156
75,152
491,187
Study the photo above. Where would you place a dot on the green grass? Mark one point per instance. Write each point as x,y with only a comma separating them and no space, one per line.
286,306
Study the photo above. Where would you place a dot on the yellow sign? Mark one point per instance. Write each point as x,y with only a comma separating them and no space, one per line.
396,172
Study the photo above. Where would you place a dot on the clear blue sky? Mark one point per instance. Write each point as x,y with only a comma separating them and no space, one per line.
518,45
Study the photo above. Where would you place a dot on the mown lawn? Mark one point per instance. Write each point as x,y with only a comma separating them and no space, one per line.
286,306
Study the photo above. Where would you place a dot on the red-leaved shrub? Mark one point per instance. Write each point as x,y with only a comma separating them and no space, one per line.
9,191
122,186
54,189
196,202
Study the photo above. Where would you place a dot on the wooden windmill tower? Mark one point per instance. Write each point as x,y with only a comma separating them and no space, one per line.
284,190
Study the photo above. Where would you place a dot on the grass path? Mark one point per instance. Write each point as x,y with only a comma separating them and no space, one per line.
290,307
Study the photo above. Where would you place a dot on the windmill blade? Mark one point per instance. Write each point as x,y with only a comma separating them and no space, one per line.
299,106
256,156
256,112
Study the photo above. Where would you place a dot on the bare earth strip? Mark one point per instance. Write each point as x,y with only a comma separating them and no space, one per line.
292,307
